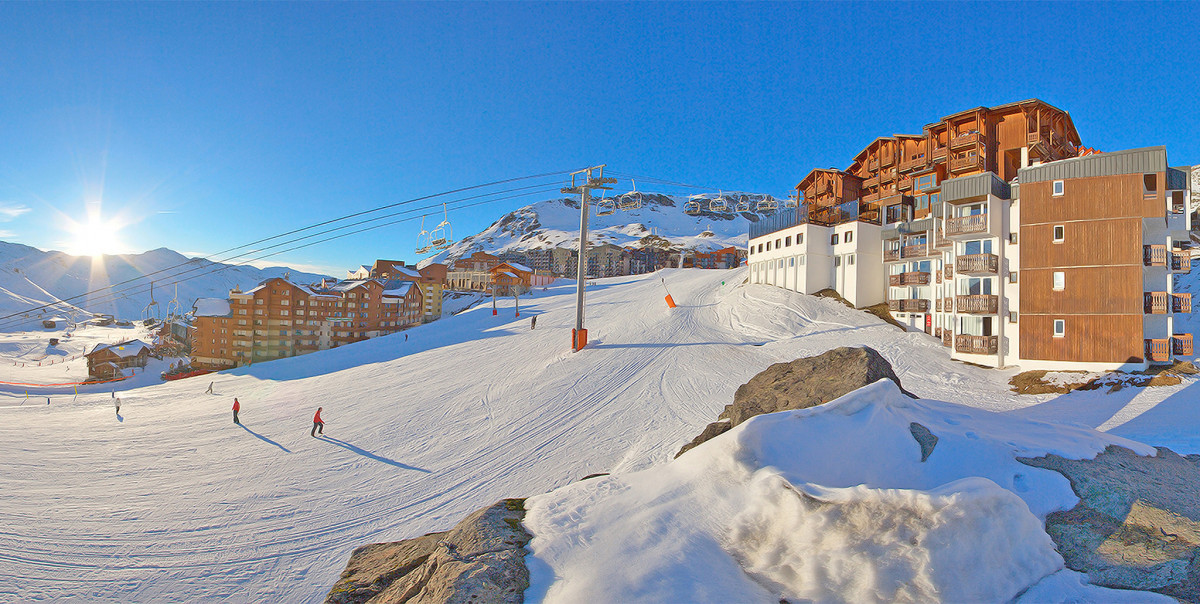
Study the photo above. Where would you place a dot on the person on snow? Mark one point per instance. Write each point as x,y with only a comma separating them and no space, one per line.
318,425
117,404
236,407
209,391
533,322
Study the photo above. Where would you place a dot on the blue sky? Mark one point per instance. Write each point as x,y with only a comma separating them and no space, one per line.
201,127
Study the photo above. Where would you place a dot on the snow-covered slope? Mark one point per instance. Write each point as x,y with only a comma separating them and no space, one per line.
173,502
555,223
31,277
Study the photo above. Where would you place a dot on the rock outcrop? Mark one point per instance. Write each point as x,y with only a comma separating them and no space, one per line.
801,384
1137,524
482,559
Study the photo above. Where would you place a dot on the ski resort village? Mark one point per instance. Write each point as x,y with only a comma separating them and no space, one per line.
589,302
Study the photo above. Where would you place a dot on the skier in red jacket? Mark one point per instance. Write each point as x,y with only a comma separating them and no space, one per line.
236,407
318,425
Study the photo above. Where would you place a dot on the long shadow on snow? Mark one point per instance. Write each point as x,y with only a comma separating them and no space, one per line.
1170,423
391,462
263,438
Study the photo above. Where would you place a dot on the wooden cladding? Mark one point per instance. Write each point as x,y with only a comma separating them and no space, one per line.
909,278
1087,243
1087,338
976,344
1094,198
1087,290
978,264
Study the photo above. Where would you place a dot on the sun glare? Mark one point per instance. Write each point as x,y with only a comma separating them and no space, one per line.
95,237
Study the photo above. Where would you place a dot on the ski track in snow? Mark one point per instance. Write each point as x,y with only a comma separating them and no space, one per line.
175,503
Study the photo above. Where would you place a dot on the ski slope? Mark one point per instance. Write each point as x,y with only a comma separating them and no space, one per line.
173,502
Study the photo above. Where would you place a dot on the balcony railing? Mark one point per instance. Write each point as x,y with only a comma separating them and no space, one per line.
948,305
891,255
1155,303
967,139
909,305
912,164
1154,255
939,153
1181,303
937,307
978,264
909,278
905,183
870,182
1033,138
1181,344
1158,350
976,344
1181,262
887,159
966,225
873,165
972,162
919,250
979,304
948,271
947,338
888,176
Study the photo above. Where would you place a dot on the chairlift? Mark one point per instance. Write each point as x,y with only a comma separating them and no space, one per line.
605,207
692,206
768,203
631,200
423,240
743,204
792,202
442,235
174,308
718,205
151,309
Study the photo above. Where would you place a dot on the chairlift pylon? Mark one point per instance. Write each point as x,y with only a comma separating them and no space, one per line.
423,244
631,200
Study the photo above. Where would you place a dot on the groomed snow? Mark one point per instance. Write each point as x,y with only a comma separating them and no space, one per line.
173,502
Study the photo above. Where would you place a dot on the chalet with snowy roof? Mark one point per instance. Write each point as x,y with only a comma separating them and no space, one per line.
511,278
107,361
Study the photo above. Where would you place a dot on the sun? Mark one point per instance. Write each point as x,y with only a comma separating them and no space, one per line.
95,237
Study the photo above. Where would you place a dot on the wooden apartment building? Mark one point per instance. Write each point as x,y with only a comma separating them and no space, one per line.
940,224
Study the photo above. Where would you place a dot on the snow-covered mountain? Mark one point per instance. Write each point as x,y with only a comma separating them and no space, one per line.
555,223
30,277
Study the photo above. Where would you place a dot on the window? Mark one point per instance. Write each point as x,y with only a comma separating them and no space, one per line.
781,263
1012,316
800,239
1149,184
1012,238
1058,188
792,261
760,248
777,246
768,246
1012,276
849,237
1060,281
850,259
787,241
802,260
837,260
927,181
833,239
751,253
1060,328
1059,233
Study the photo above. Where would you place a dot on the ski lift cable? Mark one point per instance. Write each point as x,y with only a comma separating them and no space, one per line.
111,292
210,257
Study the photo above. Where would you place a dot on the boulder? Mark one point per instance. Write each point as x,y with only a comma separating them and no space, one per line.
801,384
1137,524
482,559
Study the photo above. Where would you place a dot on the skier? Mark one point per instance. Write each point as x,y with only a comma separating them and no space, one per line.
533,322
117,404
236,407
318,425
209,391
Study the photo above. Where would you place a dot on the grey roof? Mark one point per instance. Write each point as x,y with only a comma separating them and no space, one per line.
1133,161
975,185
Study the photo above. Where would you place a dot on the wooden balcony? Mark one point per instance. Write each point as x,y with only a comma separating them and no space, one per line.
1158,350
976,344
1181,303
891,255
1155,303
978,304
978,264
948,271
887,159
966,225
1181,262
939,153
870,182
962,164
919,250
870,198
912,163
947,338
909,278
937,307
873,165
966,140
908,305
906,183
1033,138
1181,344
1154,255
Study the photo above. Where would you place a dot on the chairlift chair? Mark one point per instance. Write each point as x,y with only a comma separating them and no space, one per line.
792,202
605,207
442,235
768,203
719,204
631,200
743,205
423,239
692,206
174,308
